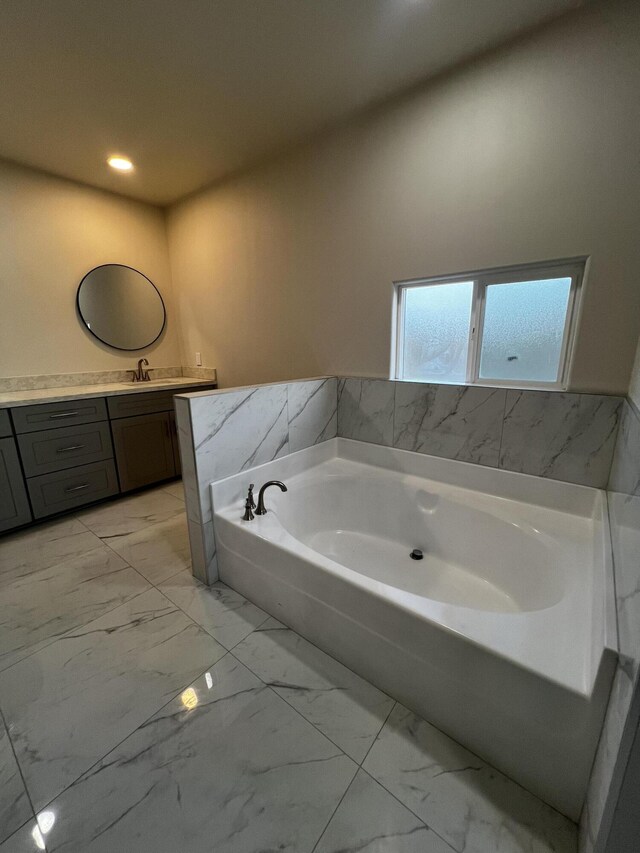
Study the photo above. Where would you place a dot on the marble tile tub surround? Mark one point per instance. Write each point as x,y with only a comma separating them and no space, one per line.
621,719
564,436
227,431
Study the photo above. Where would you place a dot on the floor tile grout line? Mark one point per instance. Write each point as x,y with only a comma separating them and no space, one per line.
479,758
293,707
375,740
61,636
397,703
333,813
24,784
20,828
339,662
139,726
83,625
181,609
409,809
228,651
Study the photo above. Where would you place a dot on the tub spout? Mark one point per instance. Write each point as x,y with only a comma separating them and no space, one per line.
261,509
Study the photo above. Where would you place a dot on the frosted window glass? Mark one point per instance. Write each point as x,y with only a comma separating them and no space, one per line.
523,330
436,332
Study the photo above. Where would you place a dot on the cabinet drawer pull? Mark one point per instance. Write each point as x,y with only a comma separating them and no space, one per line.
77,488
71,447
63,415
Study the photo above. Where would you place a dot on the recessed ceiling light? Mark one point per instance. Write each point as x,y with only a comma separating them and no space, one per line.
120,164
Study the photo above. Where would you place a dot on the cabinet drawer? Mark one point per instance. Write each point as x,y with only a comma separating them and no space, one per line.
50,415
64,490
5,423
14,504
57,449
146,402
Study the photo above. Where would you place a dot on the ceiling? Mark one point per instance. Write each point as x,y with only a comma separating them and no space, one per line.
194,90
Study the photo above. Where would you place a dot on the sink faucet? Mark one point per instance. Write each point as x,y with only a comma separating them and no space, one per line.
261,509
141,375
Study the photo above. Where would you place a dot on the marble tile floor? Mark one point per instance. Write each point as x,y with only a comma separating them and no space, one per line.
141,711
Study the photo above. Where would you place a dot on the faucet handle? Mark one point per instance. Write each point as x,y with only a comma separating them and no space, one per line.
250,499
248,514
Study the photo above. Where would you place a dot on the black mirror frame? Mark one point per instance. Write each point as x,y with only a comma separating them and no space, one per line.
97,337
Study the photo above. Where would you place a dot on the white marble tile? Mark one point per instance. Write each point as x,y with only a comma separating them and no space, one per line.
457,422
221,611
606,755
313,412
624,517
126,515
346,708
203,551
40,547
235,431
157,551
39,606
365,410
28,839
625,468
567,437
176,489
370,820
73,701
465,801
15,807
188,460
241,772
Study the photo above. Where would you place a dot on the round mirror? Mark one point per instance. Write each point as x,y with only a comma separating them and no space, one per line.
121,307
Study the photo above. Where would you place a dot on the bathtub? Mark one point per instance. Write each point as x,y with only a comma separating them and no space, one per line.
503,635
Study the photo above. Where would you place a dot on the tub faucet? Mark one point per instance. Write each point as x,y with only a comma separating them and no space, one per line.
261,509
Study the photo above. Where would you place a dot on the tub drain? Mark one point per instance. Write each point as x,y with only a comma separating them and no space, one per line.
416,554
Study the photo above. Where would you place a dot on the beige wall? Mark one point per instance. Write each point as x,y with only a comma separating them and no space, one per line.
529,154
52,232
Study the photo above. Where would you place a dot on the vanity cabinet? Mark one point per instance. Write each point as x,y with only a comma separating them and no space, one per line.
66,453
145,437
14,504
59,456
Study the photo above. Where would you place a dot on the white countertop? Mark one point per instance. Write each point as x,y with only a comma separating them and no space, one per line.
10,399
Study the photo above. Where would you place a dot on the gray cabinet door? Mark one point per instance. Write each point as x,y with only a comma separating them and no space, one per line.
14,504
144,450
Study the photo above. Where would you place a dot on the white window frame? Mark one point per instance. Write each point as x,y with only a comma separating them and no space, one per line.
573,268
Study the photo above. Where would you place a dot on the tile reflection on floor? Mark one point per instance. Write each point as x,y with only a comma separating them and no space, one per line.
150,713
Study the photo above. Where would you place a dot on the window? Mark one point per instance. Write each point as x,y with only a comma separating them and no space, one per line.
510,326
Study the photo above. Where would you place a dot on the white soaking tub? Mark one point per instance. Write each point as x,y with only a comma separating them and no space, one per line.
503,635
